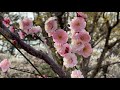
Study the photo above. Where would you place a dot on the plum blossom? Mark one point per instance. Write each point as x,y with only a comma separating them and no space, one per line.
86,51
83,36
77,45
5,65
77,24
6,21
60,36
76,74
70,60
51,25
26,24
64,49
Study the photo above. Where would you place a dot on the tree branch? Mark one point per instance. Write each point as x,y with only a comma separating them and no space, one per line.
103,52
113,44
40,54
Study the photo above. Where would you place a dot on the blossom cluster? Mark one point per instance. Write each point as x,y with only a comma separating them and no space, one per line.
80,39
26,26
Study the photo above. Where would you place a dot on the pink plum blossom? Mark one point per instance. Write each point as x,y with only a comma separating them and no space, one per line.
70,60
65,48
77,24
21,34
51,25
35,30
12,29
26,24
76,74
60,36
86,51
5,65
81,14
6,21
77,45
83,36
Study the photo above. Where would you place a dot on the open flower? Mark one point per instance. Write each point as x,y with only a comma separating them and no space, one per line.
76,74
51,25
26,24
83,36
6,21
77,24
77,45
60,36
86,51
5,65
64,49
70,60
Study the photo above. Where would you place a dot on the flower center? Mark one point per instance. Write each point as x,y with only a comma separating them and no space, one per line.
70,61
26,23
77,24
59,36
79,43
82,38
85,49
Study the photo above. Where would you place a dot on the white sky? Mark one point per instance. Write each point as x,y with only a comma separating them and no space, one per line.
25,14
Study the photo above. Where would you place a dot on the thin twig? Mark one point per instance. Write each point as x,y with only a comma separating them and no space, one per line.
22,54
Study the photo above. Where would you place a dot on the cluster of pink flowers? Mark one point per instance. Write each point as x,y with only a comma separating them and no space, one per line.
80,37
5,65
60,38
6,22
79,41
27,28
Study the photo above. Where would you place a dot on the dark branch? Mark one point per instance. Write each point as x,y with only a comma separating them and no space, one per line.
103,52
40,54
113,44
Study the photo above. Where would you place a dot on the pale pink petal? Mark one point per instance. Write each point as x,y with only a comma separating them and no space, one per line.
76,74
83,36
51,25
25,24
86,51
77,45
65,48
60,36
70,60
77,24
